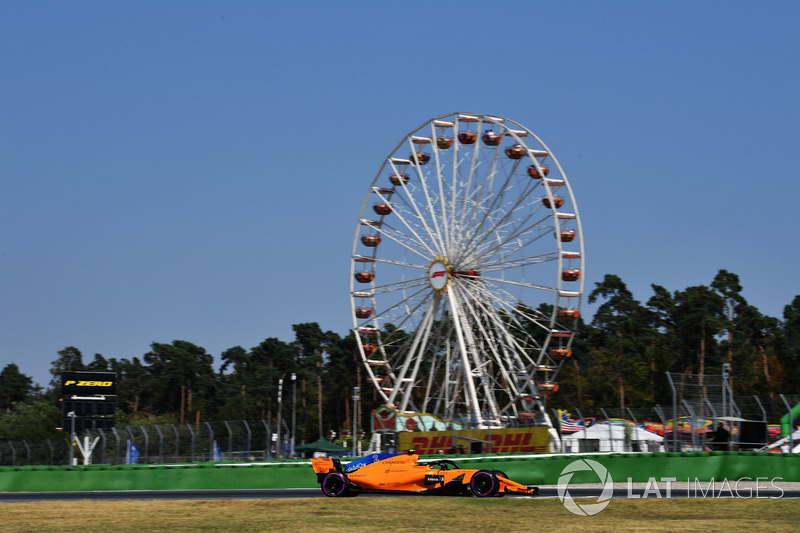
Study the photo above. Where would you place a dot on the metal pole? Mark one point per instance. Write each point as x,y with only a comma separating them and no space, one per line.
660,414
726,368
103,446
177,442
356,390
585,433
160,444
52,452
210,442
249,435
191,435
230,436
278,439
674,413
71,416
693,419
268,439
791,422
294,413
610,432
146,444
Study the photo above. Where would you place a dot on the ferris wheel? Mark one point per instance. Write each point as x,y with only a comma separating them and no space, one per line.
466,274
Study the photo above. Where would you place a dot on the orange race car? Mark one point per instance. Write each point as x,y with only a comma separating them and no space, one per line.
380,472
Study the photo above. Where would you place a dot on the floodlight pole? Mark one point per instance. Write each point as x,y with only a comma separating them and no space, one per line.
294,412
278,436
726,370
71,416
356,390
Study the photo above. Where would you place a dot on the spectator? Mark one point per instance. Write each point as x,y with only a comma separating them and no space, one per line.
721,438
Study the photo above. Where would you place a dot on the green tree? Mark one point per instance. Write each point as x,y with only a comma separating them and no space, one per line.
621,330
727,285
98,364
69,359
14,386
311,344
699,317
789,345
664,348
756,367
32,421
133,385
183,379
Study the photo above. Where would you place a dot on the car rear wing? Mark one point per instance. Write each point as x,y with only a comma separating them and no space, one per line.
324,465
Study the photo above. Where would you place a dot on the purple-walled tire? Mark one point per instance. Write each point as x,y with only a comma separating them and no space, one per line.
484,484
334,485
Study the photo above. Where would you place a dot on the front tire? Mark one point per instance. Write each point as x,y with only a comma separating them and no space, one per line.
484,484
334,485
500,473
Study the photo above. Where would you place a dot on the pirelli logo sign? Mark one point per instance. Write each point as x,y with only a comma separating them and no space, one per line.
89,383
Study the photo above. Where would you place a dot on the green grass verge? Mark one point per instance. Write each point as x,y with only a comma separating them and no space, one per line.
401,514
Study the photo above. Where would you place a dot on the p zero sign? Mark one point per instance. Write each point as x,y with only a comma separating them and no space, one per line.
88,383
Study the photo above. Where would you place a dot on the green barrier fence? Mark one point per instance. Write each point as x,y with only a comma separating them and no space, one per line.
530,470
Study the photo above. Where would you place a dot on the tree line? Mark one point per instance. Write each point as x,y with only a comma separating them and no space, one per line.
619,360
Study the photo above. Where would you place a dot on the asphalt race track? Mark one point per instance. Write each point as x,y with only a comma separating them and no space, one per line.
792,492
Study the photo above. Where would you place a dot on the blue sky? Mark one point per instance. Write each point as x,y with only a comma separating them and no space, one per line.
194,170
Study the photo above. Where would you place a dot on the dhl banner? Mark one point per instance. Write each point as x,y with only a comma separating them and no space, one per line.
511,440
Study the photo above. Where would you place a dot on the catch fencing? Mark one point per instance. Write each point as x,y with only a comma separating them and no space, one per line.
601,429
237,440
689,424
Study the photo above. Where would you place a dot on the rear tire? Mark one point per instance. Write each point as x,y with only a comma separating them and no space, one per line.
334,485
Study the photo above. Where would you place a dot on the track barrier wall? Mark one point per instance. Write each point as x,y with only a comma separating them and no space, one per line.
526,469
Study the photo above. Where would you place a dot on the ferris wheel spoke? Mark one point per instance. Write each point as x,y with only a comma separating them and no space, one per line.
499,281
426,207
410,366
406,305
397,285
501,315
506,189
505,265
434,231
386,261
523,198
438,135
412,240
479,373
525,233
438,364
502,347
510,306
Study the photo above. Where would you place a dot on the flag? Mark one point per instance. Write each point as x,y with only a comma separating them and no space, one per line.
132,454
567,424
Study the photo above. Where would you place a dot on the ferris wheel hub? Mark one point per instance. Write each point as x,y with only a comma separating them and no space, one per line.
439,275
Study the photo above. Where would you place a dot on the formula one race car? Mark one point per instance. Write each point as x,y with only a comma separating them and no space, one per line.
381,472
